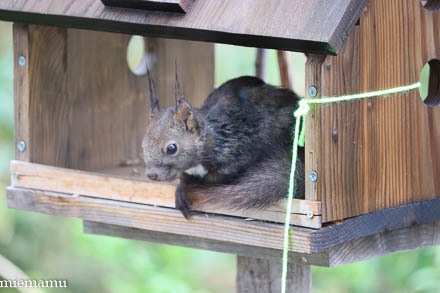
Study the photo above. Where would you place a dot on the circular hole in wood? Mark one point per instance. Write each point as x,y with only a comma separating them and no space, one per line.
430,83
431,4
136,56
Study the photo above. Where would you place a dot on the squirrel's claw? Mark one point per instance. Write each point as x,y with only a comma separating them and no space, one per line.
183,203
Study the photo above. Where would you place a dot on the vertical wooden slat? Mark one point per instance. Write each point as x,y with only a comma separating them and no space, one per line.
339,179
21,89
313,127
37,85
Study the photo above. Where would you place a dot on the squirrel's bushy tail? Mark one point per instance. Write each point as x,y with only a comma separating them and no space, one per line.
262,185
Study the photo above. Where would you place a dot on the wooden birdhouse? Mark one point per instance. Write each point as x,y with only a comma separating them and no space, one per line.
372,165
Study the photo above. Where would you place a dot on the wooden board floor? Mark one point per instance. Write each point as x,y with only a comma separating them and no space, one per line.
237,232
125,184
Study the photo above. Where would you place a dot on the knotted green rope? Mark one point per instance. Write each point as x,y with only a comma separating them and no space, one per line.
298,139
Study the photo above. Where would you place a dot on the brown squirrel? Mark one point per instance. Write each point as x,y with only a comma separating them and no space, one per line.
235,149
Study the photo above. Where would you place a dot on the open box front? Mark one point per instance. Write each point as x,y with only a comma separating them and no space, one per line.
81,115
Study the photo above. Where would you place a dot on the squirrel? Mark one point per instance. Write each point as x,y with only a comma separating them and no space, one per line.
235,149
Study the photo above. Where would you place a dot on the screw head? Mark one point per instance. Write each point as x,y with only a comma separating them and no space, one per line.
15,176
21,146
313,176
313,91
309,214
22,61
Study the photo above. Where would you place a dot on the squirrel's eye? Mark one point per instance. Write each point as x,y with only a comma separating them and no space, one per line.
171,149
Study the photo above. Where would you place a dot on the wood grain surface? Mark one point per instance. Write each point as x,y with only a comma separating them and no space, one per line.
317,259
302,25
214,227
364,248
77,103
139,190
378,153
236,230
259,275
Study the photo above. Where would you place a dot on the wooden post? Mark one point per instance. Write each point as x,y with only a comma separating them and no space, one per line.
285,66
264,276
261,64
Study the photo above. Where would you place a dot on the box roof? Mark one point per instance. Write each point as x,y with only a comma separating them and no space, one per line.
316,26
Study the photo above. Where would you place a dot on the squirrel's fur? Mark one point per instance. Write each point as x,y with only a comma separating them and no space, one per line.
239,143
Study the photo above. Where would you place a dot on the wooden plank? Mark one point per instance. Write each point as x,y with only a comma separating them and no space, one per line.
382,152
136,172
214,227
339,181
376,222
21,90
313,127
317,259
43,52
320,25
373,246
180,6
262,275
223,228
409,238
55,179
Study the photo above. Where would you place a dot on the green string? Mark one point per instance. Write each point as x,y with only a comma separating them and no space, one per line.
298,139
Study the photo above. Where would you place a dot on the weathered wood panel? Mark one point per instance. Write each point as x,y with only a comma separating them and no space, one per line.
388,242
313,127
21,89
385,152
218,227
134,189
214,227
376,222
258,275
373,246
77,103
302,25
318,259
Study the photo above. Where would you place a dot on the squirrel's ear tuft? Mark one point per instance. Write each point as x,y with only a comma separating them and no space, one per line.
178,93
154,100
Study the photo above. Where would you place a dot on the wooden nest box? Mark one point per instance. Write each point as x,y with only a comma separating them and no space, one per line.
80,115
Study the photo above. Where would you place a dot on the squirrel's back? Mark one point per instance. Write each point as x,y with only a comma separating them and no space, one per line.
246,119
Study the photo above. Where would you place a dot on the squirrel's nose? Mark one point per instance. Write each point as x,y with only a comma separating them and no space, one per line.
152,176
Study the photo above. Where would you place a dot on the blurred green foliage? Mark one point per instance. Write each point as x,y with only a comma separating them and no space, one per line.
48,247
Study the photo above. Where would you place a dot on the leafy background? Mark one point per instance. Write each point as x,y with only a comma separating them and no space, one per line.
49,247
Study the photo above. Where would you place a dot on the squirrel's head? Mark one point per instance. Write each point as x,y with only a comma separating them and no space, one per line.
173,141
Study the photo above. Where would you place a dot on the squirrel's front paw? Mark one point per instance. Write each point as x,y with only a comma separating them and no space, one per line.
183,203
